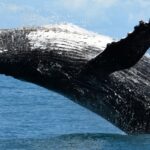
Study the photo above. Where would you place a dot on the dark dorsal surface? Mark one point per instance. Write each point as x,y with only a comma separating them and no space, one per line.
126,52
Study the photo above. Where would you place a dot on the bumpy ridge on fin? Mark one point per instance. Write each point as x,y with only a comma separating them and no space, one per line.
124,53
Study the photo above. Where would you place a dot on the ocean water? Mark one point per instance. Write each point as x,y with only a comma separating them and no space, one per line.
33,118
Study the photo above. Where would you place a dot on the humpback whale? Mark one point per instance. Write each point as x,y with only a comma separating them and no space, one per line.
108,77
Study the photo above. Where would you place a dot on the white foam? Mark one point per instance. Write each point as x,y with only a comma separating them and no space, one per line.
147,55
3,50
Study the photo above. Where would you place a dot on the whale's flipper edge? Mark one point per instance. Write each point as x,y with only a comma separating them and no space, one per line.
124,53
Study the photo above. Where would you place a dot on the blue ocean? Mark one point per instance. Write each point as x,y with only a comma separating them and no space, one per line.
33,118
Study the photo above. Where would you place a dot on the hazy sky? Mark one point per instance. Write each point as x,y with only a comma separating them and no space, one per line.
111,17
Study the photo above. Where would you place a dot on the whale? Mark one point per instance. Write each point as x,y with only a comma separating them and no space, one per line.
109,77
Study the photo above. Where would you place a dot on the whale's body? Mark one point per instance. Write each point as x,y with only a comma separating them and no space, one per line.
110,80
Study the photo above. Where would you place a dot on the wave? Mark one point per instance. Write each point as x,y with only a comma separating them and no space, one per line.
77,141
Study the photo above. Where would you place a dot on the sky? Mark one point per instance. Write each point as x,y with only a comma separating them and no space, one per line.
114,18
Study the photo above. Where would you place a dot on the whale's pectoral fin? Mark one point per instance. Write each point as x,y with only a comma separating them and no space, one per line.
124,53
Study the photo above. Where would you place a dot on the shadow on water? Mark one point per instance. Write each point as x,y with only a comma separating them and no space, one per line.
88,141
